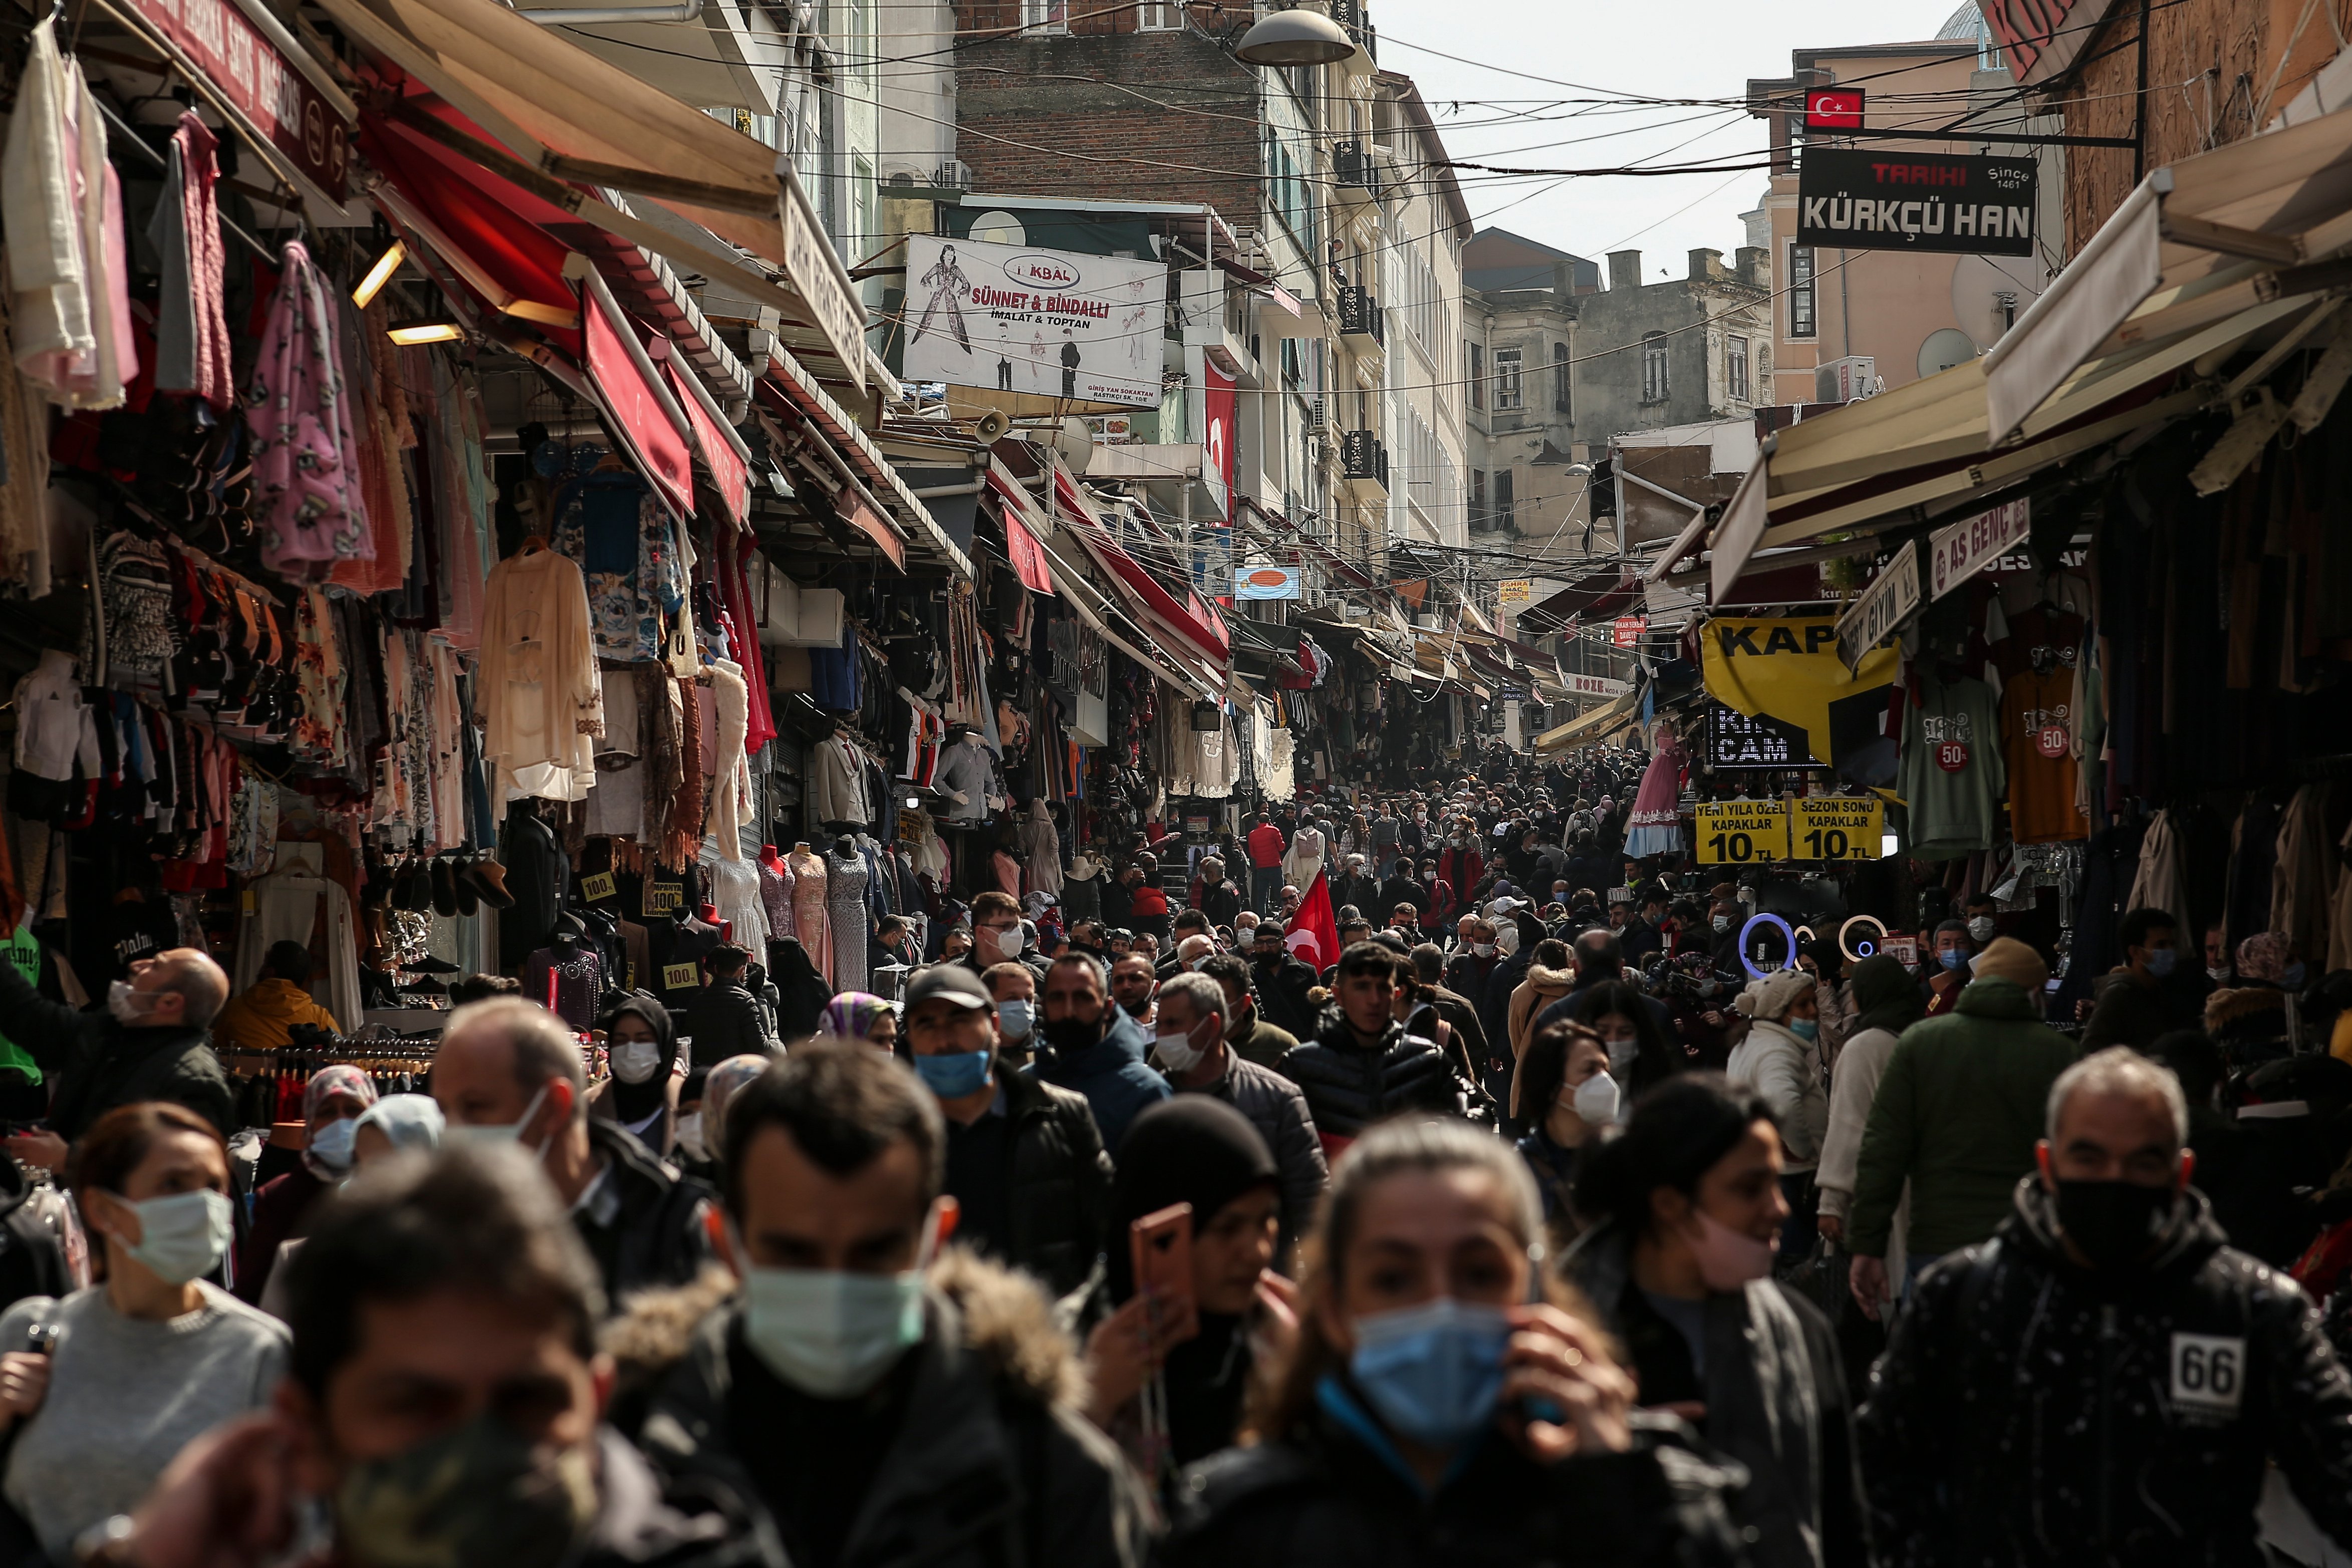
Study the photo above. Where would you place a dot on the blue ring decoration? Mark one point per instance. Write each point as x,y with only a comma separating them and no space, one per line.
1850,953
1787,935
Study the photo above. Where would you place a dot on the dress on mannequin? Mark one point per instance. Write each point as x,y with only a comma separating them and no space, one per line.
809,923
776,892
735,888
845,897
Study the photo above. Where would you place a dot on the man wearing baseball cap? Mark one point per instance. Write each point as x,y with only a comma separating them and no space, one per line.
1024,1160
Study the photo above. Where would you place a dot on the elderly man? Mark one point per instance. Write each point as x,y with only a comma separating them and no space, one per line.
2170,1370
509,1071
151,1043
1193,1048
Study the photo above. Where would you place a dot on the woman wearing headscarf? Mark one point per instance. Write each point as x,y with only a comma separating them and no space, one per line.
331,1102
395,1125
641,1048
1886,1002
1198,1368
861,1017
718,1086
2248,1020
1780,1057
800,992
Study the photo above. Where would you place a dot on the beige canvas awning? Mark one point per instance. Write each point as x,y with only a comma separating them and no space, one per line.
1621,710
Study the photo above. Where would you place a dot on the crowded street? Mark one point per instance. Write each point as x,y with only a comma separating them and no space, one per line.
950,785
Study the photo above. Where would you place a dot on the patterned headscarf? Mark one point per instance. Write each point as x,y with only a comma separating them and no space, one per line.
718,1086
340,1079
2263,956
851,1015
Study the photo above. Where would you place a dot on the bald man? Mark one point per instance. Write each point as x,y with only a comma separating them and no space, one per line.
151,1042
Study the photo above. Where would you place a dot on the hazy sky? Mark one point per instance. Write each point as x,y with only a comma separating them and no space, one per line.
1654,49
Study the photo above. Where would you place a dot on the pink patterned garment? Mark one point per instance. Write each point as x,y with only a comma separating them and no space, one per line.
307,484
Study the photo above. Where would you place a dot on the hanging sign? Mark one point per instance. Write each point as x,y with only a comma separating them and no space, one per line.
1595,686
1959,553
1916,200
1628,631
1879,608
597,884
1050,323
1515,591
263,83
1836,829
1265,582
1788,668
1736,740
1737,832
1833,108
664,898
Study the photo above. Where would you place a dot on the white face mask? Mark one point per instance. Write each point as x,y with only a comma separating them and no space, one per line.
1483,949
1595,1100
1176,1051
129,1007
1015,1019
1980,929
635,1061
1621,1053
830,1332
690,1135
331,1153
496,1132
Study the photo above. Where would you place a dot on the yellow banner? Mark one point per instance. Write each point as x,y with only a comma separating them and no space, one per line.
1787,667
1739,832
1836,829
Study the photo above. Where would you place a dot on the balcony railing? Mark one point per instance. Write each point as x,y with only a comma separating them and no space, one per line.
1357,171
1364,463
1360,318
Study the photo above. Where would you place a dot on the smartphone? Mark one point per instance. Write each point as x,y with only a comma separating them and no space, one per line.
1159,1245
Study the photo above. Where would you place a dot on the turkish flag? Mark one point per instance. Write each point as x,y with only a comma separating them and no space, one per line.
1833,108
1315,932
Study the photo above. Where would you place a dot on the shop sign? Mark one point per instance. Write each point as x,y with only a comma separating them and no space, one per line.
680,976
819,277
1739,832
1837,829
1265,582
1879,608
1915,201
1048,324
1515,591
1628,631
664,898
1833,108
1220,402
1903,947
597,885
1787,669
1967,547
1736,740
262,84
1595,686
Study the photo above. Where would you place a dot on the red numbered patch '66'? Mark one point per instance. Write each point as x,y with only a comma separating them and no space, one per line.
1952,755
2052,740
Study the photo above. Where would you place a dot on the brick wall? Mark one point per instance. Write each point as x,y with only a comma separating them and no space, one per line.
1095,115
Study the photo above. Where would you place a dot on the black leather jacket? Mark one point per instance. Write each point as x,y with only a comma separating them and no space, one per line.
1349,1085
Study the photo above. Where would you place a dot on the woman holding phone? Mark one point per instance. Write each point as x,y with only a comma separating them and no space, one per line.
1171,1368
1440,1404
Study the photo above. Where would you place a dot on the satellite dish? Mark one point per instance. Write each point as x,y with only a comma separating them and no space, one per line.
1075,442
997,227
1944,348
1989,292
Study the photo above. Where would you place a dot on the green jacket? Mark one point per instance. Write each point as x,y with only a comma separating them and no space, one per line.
1956,1115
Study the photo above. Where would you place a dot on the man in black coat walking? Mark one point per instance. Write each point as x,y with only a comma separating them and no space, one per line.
1362,1065
725,1019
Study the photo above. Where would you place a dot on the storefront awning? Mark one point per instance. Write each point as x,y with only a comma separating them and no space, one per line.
1595,723
1024,530
1197,626
1096,609
644,413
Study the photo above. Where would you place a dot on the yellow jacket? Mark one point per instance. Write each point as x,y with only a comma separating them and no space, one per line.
262,1016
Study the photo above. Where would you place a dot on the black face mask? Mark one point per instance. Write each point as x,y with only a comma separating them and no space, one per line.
2113,1224
1070,1036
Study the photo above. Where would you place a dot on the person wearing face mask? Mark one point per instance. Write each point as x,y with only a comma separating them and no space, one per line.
1094,1048
1565,1073
144,1362
1194,1050
1687,1211
641,1048
1014,989
446,1405
1983,918
151,1042
998,936
395,1122
1954,1118
2248,1020
724,1018
1549,979
1474,960
1247,1032
861,1018
1188,925
1724,919
1640,1054
2171,1372
509,1071
1444,1403
1780,1058
331,1101
1950,951
2132,1009
1886,1003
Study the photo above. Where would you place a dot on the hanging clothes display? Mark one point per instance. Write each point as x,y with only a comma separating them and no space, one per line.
847,877
192,345
541,699
305,471
617,530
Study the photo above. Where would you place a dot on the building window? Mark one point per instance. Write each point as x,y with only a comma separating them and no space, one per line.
1735,366
1507,378
1559,403
1045,16
1800,292
1159,16
1654,368
1502,518
1475,358
1478,500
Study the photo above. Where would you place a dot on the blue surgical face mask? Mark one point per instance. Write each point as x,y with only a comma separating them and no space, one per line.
2161,961
1805,1028
1016,1017
182,1236
1951,958
954,1075
1433,1372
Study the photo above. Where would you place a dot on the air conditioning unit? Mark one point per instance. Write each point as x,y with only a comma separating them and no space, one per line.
1844,380
1318,419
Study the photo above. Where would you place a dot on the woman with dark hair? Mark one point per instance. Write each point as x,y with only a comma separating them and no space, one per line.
800,992
1441,1405
1686,1210
1641,1055
1169,1378
1567,1097
641,1048
101,1389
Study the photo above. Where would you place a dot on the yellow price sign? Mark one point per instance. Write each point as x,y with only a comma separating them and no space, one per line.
1837,829
1737,832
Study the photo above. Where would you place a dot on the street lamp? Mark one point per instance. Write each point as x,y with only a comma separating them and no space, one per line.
1293,37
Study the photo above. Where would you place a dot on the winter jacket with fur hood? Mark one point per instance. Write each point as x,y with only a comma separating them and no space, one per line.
994,1466
2030,1412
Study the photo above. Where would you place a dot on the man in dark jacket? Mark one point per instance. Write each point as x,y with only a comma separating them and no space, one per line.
1192,1051
1356,886
2132,1009
1363,1065
951,1440
152,1042
1252,1037
457,1282
1599,961
509,1071
2104,1380
1024,1161
1090,1047
1281,981
1188,922
727,1020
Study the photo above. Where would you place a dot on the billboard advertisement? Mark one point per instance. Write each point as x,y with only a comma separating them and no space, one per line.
1916,200
1049,323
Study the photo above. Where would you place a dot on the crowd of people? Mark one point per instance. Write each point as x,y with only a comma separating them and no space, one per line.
1426,1183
